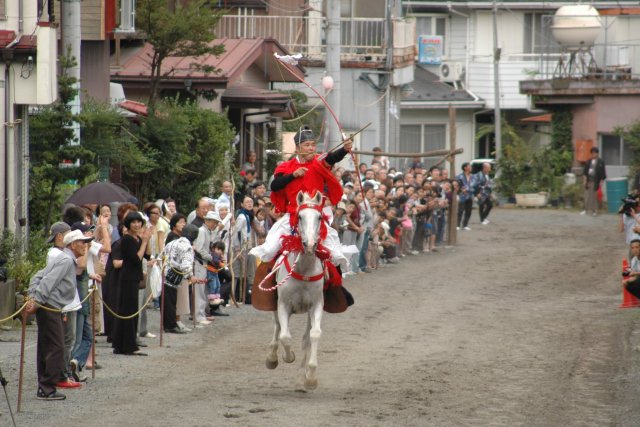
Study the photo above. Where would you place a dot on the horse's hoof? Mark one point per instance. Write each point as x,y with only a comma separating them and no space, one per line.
293,358
311,384
271,364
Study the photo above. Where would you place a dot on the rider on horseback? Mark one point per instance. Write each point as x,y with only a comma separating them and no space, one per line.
307,172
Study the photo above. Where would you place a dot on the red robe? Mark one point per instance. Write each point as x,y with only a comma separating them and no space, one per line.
317,178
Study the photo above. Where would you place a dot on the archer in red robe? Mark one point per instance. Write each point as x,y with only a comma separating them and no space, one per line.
310,172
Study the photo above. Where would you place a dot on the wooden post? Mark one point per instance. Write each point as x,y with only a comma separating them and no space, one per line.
193,302
243,287
21,372
453,209
162,306
93,332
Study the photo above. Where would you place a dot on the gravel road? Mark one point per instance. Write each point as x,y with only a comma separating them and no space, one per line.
516,325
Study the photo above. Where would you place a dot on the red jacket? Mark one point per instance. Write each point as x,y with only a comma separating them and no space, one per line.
317,178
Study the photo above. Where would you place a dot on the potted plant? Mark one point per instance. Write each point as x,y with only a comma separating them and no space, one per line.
555,190
573,195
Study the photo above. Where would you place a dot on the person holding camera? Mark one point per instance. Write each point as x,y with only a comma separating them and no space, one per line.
630,219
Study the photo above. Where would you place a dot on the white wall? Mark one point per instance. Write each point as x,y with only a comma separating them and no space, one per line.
481,82
30,12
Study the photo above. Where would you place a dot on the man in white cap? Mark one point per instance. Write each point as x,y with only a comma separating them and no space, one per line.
207,234
54,287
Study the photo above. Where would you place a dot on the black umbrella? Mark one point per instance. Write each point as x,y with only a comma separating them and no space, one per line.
99,193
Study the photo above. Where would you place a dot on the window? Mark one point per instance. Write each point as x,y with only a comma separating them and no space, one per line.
614,151
431,25
537,34
421,138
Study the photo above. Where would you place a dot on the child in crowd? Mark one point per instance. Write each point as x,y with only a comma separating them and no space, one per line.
213,267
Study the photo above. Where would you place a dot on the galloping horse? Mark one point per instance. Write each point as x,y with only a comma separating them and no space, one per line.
301,278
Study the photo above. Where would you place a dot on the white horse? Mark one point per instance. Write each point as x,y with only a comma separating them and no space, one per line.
301,292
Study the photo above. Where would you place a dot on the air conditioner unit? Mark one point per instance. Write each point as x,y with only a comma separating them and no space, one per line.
451,72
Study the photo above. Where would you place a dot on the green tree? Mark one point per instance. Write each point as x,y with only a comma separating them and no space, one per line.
107,133
631,136
55,156
188,150
561,146
186,31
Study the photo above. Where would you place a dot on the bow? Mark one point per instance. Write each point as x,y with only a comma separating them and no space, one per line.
230,252
290,60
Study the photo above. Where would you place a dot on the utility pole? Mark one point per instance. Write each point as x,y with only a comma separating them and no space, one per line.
333,70
497,118
453,209
71,38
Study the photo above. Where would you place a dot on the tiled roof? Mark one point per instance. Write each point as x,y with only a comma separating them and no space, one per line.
135,107
239,55
543,118
427,87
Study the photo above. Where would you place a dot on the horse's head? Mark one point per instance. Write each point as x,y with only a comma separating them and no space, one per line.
309,219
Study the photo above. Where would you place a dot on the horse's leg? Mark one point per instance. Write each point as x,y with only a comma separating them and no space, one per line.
272,355
285,334
315,318
306,345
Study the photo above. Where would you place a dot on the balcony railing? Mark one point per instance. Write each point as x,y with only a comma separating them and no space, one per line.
610,62
362,39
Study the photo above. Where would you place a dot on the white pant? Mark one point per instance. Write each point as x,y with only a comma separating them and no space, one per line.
201,300
272,245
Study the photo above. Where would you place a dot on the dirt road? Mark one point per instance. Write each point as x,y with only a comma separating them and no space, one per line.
517,325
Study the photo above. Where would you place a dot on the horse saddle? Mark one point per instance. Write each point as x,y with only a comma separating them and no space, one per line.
335,300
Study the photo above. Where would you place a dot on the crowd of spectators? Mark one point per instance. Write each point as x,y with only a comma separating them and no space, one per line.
388,215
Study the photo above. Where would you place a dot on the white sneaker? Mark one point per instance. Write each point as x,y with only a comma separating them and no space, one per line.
485,222
467,229
583,213
205,322
414,252
149,335
183,327
458,228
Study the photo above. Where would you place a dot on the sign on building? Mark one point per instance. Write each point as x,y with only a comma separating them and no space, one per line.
430,50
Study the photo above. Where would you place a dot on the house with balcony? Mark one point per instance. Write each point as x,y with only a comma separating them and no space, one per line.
529,59
28,46
377,51
599,83
241,86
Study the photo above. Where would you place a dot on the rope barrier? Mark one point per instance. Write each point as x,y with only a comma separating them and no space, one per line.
14,314
117,316
59,310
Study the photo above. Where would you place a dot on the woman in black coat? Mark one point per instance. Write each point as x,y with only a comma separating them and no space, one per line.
110,286
132,246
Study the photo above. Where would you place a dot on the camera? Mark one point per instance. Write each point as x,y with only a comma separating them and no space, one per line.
628,204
